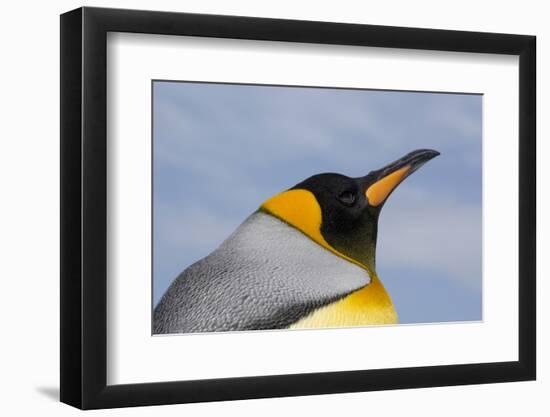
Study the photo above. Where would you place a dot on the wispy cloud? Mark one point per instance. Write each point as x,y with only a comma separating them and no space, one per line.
435,233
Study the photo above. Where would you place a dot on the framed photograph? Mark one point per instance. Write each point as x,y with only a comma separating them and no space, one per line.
257,208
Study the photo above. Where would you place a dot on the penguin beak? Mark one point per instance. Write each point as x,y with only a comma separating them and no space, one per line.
388,178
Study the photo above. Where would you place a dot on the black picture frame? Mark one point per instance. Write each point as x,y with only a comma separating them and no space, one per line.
84,207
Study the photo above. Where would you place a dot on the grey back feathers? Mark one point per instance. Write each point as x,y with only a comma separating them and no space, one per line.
266,275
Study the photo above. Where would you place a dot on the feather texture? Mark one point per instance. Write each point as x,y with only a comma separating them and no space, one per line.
266,275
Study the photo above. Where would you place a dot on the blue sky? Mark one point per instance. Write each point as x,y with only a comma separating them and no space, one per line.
220,150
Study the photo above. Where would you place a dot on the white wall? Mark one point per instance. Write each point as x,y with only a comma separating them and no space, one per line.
29,225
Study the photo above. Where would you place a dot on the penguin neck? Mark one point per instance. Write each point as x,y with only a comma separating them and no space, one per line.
358,244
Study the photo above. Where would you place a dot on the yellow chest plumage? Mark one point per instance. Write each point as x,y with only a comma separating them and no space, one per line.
368,306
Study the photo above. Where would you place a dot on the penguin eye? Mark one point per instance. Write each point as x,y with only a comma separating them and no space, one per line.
347,197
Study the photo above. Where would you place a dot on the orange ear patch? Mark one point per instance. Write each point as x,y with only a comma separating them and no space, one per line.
300,209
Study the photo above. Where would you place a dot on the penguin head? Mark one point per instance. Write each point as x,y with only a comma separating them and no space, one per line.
341,213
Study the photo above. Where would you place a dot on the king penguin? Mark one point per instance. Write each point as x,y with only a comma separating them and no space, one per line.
304,259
